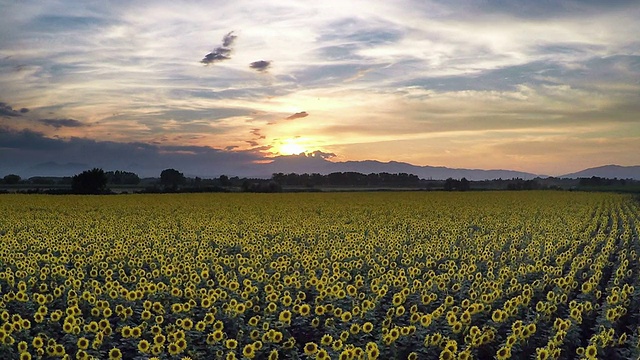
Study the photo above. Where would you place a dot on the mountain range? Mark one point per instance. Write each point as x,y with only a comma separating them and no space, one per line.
311,164
608,171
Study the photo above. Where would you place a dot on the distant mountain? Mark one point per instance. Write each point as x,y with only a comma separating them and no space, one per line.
54,169
608,171
307,164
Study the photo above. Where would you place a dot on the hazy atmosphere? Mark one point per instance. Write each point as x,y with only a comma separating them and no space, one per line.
546,87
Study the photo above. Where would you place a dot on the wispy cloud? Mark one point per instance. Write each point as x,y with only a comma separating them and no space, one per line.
59,123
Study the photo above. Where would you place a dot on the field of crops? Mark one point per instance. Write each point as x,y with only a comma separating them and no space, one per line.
406,275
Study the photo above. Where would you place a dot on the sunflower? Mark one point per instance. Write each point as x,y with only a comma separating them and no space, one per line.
367,327
498,315
337,345
159,339
346,316
173,349
316,322
249,351
426,320
456,327
326,340
503,353
304,309
22,346
144,346
310,348
82,355
322,355
37,342
231,344
285,316
82,343
591,352
58,350
273,355
115,354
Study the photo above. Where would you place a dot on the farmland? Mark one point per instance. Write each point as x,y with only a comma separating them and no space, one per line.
407,275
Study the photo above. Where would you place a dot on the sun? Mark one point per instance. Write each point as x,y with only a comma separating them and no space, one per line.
291,149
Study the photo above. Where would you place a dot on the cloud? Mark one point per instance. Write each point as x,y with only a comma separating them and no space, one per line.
27,140
22,149
260,65
298,115
257,133
222,52
58,123
6,110
322,154
228,39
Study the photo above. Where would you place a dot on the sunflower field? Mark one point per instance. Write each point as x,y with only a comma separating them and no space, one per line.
404,275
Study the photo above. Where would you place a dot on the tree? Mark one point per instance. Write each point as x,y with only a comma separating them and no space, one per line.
450,184
224,180
122,178
11,179
92,181
172,178
464,184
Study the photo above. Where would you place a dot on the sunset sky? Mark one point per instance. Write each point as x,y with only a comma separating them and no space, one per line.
547,87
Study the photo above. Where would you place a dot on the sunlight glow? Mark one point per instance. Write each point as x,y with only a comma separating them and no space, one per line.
291,149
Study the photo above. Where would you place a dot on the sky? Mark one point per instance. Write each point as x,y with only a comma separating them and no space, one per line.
213,87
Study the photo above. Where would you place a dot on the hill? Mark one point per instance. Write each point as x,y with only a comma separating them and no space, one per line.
608,171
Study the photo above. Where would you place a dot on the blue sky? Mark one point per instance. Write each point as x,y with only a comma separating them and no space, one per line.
547,87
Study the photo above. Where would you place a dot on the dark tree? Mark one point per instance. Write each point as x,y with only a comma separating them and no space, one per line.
11,179
172,178
122,178
224,180
92,181
464,184
450,184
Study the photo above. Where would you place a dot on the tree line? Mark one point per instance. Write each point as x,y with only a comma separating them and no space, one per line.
98,181
346,179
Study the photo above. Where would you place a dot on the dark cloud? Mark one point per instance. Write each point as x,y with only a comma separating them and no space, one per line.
260,65
6,110
228,39
58,123
26,140
22,149
298,115
252,143
24,110
221,53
